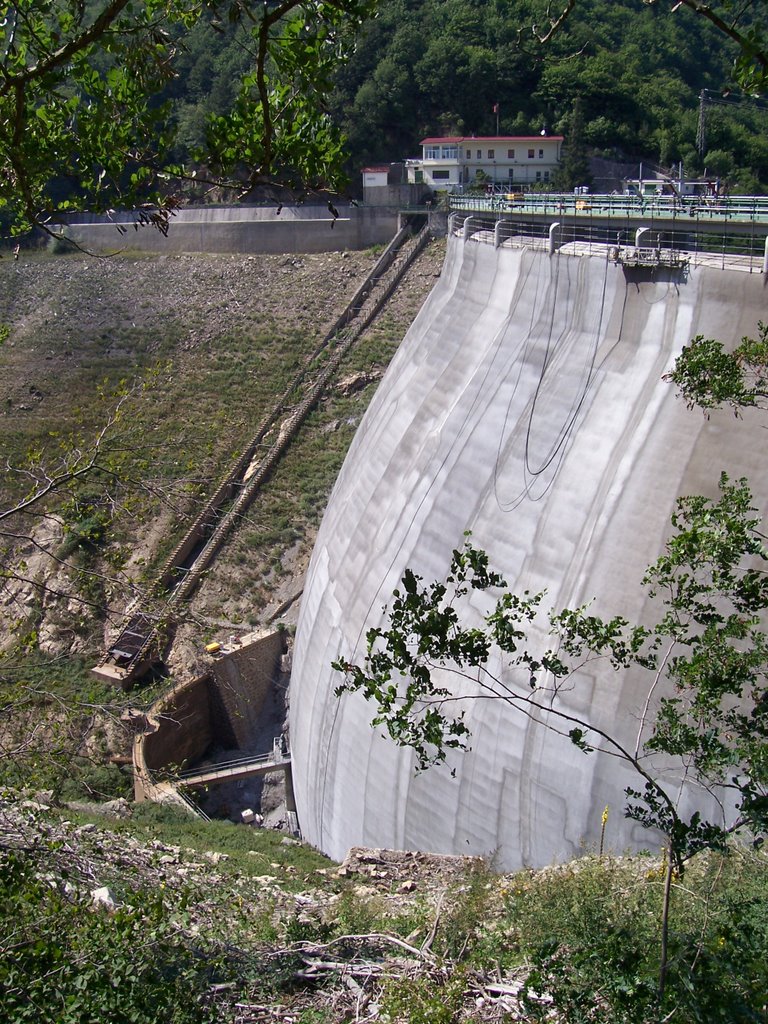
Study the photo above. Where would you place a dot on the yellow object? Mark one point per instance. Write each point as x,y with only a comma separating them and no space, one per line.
213,648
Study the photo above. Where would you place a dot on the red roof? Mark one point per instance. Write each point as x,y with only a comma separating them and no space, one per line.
488,138
376,170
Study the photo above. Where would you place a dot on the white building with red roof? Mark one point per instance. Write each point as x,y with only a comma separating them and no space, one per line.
376,177
506,160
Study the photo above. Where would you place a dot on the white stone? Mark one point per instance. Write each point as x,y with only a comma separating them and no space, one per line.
103,898
215,857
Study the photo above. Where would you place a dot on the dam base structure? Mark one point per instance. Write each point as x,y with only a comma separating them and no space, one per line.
527,406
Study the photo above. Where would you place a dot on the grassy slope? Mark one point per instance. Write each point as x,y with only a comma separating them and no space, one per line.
227,333
225,923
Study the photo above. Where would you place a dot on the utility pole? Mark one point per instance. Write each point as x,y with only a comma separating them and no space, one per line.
701,131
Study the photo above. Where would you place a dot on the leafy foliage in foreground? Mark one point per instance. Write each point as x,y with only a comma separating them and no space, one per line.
64,960
82,114
708,644
200,932
135,104
709,377
591,928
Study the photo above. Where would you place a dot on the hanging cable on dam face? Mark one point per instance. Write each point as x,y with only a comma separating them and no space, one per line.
558,445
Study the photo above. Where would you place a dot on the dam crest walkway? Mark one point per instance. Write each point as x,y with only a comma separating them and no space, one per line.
727,234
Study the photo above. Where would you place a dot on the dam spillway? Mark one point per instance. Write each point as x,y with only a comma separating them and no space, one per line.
526,404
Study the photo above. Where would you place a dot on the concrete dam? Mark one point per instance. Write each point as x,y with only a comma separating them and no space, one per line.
526,404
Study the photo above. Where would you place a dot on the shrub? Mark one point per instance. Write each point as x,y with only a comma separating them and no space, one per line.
590,930
425,1000
66,962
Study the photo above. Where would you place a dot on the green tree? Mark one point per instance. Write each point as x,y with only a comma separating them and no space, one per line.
746,25
709,377
638,69
83,120
574,167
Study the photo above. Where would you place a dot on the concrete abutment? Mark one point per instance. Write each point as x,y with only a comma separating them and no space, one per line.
221,709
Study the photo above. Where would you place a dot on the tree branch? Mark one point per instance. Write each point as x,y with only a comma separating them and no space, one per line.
77,44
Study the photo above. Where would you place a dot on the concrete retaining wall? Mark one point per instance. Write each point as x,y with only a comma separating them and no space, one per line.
179,729
236,229
221,708
396,195
242,682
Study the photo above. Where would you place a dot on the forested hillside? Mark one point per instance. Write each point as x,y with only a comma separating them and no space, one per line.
227,103
440,66
432,66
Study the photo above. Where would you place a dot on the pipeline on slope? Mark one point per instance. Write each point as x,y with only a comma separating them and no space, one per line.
144,635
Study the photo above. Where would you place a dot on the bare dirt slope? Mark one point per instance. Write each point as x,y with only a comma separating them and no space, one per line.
217,337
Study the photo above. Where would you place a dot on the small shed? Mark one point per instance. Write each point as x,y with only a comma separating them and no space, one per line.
375,177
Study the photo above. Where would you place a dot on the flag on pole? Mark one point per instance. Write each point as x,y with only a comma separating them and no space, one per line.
495,108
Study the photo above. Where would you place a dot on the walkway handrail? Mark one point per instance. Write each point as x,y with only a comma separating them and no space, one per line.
728,209
240,762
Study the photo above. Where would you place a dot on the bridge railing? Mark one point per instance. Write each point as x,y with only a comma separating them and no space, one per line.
277,755
729,208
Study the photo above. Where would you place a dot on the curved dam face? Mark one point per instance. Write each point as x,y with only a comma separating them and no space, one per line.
526,405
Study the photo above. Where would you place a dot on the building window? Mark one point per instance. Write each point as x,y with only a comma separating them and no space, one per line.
510,154
479,154
541,154
531,154
546,175
469,154
450,153
441,175
538,175
431,152
491,154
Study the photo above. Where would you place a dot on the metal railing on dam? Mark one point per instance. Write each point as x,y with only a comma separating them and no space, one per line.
693,209
728,235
